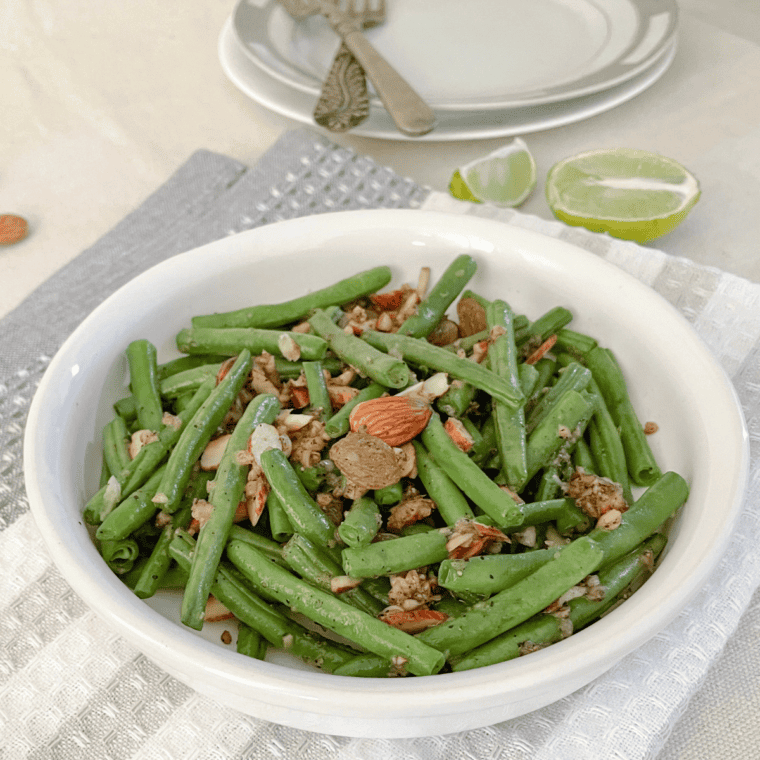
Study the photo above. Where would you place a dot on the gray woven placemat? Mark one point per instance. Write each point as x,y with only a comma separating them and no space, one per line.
71,688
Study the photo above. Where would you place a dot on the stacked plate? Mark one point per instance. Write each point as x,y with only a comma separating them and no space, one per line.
489,68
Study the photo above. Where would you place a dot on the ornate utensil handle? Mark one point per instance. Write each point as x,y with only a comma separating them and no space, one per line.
343,103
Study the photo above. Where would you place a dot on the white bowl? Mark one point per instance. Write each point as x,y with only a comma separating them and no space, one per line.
673,380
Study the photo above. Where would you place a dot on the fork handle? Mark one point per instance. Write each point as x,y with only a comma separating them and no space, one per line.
408,110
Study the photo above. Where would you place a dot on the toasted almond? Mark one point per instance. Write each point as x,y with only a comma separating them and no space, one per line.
216,611
413,621
212,454
459,434
393,419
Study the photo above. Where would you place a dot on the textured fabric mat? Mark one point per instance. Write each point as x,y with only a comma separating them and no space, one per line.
71,688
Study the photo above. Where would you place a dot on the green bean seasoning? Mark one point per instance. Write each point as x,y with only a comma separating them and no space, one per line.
437,481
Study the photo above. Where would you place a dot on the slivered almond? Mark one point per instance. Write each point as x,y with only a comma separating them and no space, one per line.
393,419
212,454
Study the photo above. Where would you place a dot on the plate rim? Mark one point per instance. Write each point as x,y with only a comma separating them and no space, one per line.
299,78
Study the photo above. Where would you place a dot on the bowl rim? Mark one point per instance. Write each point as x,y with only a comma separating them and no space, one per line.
147,629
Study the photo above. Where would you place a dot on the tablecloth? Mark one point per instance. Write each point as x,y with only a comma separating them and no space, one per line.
71,688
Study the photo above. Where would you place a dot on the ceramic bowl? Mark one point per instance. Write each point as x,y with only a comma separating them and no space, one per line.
673,379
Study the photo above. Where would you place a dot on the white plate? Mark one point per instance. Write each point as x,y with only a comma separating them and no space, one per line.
279,97
480,54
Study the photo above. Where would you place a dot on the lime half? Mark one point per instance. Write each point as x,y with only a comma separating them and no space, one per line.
505,177
631,194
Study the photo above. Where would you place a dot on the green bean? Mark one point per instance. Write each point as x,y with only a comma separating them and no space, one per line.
471,480
250,642
545,629
425,354
366,665
432,308
144,464
338,423
389,495
319,396
229,483
514,605
290,370
488,574
120,555
115,452
318,567
648,513
369,361
451,502
457,400
574,343
582,456
198,432
360,523
274,315
510,421
395,555
334,614
270,547
143,381
303,512
572,377
564,510
126,408
547,324
642,465
279,523
160,560
606,446
132,512
529,379
183,363
231,341
571,413
187,380
231,589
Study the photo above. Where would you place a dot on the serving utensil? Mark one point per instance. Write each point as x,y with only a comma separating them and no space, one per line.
408,110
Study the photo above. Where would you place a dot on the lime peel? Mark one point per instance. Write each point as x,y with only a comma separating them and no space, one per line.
505,177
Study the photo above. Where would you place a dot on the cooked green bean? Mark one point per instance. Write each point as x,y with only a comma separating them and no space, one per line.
234,340
422,353
546,628
514,605
360,523
250,642
334,614
226,494
144,464
451,502
274,315
115,450
433,307
143,382
471,480
370,362
395,555
319,396
188,380
303,512
196,435
642,466
510,421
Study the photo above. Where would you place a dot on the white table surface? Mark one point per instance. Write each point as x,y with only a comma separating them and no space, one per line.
102,101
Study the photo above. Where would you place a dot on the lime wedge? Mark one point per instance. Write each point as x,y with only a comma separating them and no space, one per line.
630,194
505,177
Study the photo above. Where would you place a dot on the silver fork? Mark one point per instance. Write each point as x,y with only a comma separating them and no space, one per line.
408,110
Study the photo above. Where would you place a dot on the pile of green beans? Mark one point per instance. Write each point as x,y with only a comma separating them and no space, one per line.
537,565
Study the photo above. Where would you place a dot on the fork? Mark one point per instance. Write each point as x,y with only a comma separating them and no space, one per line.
407,109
